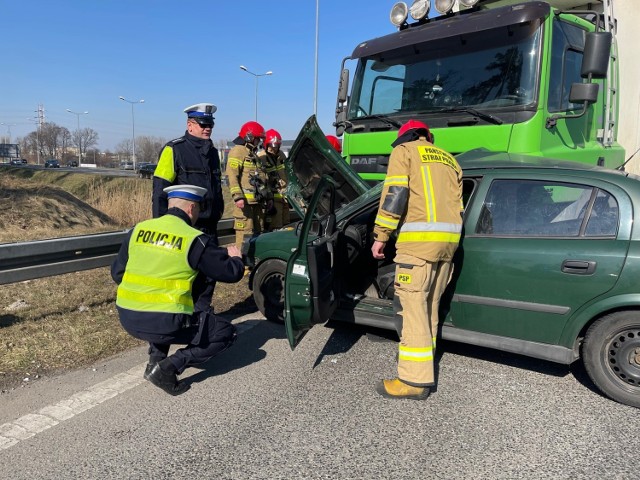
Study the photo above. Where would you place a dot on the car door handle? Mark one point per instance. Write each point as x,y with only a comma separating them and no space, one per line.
578,267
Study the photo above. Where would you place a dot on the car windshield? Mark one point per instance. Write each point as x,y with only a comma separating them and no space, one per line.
488,69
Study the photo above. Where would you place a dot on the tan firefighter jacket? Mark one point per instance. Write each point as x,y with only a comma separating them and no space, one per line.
422,198
248,179
274,166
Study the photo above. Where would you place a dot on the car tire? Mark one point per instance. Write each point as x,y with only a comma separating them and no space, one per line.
611,356
141,175
268,289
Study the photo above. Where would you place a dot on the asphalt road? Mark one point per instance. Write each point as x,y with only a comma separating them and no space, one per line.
261,411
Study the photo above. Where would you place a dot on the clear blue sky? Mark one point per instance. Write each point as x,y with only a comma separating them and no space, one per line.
82,55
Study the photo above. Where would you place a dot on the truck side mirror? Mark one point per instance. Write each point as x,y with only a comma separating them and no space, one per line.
595,58
340,124
343,86
583,92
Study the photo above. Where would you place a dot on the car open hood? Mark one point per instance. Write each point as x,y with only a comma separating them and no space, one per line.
311,157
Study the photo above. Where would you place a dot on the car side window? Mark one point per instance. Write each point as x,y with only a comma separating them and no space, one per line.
603,220
529,208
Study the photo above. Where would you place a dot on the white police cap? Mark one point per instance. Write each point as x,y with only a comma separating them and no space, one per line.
201,112
187,192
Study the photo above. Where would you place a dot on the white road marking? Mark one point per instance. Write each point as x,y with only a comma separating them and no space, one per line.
31,424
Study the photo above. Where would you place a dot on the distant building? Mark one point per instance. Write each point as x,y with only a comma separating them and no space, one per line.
9,151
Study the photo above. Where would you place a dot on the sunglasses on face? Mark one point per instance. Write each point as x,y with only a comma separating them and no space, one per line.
205,125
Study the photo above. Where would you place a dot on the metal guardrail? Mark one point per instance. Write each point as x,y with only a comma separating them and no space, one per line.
45,258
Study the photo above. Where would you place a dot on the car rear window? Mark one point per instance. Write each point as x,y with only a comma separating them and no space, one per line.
543,209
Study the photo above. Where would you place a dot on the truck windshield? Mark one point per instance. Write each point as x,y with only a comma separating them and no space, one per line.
489,69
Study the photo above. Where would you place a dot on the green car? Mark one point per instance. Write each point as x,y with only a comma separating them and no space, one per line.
548,265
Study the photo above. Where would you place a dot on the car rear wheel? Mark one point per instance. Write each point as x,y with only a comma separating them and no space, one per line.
611,355
268,289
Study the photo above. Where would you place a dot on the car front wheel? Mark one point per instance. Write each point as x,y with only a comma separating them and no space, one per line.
611,355
268,289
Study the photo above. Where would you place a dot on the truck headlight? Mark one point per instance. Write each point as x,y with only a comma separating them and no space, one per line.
468,3
444,6
399,13
419,9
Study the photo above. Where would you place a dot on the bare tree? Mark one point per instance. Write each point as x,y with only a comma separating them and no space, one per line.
83,139
148,148
51,139
125,148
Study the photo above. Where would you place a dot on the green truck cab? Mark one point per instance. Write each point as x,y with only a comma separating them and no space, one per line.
511,76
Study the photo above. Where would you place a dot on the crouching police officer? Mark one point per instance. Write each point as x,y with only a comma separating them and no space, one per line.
155,269
422,198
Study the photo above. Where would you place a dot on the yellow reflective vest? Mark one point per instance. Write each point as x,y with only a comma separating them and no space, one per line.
422,199
158,277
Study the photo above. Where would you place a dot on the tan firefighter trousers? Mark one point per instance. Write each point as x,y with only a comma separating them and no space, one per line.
248,221
419,284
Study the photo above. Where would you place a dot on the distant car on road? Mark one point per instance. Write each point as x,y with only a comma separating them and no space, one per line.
126,166
17,161
147,170
52,163
72,163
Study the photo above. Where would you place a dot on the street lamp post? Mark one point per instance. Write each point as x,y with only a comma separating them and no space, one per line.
256,75
77,114
133,127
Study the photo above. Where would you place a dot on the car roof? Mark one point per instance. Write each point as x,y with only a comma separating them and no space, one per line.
482,159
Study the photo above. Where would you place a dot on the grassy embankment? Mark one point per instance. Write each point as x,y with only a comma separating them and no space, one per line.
68,321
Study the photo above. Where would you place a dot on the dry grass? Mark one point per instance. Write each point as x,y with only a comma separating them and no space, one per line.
69,321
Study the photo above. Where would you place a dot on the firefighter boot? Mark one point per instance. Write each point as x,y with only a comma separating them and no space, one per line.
396,388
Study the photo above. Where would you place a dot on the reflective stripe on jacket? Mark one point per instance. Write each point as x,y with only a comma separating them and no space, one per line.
274,167
243,165
422,197
158,277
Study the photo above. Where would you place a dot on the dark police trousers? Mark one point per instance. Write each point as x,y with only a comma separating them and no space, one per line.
203,341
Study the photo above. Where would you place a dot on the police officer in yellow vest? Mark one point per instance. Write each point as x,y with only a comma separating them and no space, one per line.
273,160
248,183
155,270
422,199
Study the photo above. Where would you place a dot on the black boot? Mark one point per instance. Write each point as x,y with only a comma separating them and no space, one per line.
167,381
148,368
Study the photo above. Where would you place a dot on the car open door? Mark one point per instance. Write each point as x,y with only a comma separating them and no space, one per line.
310,289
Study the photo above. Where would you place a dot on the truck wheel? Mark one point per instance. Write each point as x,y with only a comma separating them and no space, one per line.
611,356
268,289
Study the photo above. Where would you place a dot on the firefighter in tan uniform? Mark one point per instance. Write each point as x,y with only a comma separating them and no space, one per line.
248,183
273,160
422,199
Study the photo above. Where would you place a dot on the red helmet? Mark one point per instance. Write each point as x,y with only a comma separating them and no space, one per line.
413,125
251,130
272,138
335,143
